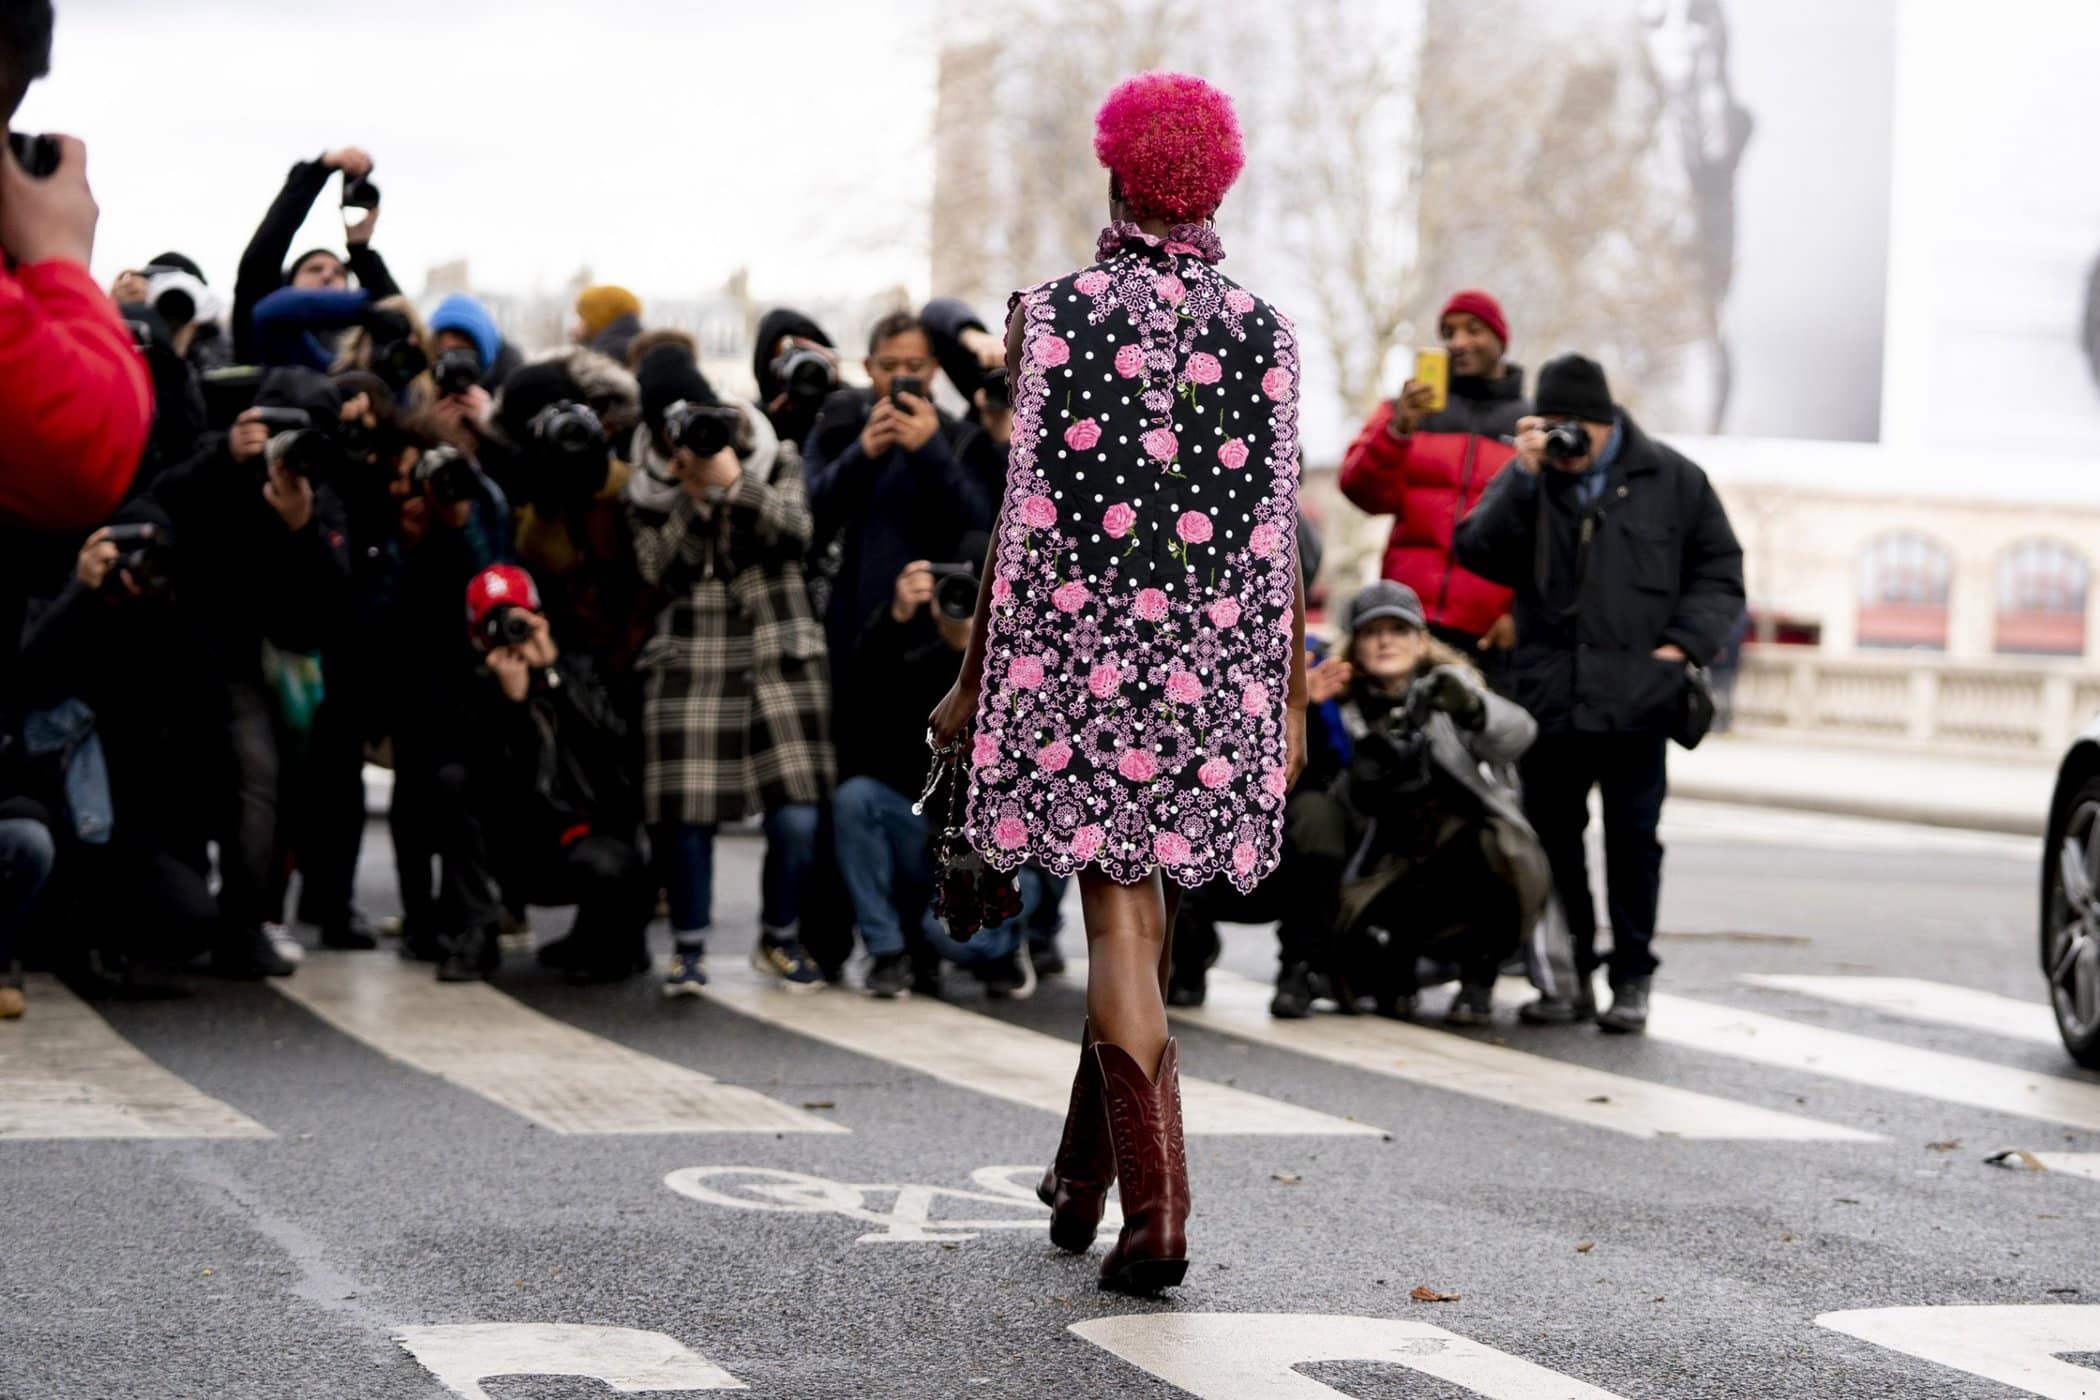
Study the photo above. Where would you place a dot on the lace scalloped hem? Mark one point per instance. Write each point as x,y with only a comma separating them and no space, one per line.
1188,874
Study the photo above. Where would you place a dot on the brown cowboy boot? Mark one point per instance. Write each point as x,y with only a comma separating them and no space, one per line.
1076,1185
1144,1122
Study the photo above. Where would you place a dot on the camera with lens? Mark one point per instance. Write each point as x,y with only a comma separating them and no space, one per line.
177,297
567,457
569,430
141,554
448,475
1567,441
701,429
955,591
281,420
455,372
806,376
37,155
506,626
396,358
307,452
996,393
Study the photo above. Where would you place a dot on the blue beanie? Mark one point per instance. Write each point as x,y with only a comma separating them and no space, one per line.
460,312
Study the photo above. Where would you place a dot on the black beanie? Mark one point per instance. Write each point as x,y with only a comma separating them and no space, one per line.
295,386
667,374
1572,386
295,264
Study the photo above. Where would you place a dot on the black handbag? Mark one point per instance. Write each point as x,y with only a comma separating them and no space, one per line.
1695,707
968,893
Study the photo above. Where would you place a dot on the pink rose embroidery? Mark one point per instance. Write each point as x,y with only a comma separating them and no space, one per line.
1038,512
1243,857
1183,688
1232,453
1104,679
1205,369
1010,833
1086,841
1118,519
1276,383
1225,613
1239,301
1082,436
1002,589
1050,351
1275,782
1091,284
1025,672
1180,249
984,751
1129,360
1151,604
1054,755
1137,765
1255,698
1170,289
1070,597
1264,539
1161,443
1193,526
1214,772
1171,847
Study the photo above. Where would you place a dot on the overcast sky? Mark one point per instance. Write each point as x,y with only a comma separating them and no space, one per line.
664,143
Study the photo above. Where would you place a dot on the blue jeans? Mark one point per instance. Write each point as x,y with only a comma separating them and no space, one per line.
688,852
27,854
885,862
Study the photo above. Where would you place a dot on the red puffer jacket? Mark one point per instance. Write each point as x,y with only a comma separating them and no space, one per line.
74,395
1427,482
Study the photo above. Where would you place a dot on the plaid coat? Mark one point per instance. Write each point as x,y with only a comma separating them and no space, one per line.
736,715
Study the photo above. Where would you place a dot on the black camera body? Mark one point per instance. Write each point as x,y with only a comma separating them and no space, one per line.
396,358
567,456
806,376
955,591
308,452
281,420
455,372
701,429
997,395
506,626
142,554
1567,441
448,475
37,155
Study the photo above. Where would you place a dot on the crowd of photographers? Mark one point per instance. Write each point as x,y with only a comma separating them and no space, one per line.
589,610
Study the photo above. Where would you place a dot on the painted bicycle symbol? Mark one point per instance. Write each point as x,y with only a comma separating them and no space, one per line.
910,1217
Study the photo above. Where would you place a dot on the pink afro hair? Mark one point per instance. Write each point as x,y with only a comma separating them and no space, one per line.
1172,143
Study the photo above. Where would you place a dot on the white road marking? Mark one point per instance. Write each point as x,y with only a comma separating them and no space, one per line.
2013,1344
463,1355
1239,1006
1881,1064
65,1073
910,1220
1708,823
989,1056
1918,1000
1252,1356
561,1078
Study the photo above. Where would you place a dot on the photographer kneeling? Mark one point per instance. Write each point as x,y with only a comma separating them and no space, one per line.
1441,862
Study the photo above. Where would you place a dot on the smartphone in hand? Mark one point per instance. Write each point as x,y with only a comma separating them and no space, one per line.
1433,367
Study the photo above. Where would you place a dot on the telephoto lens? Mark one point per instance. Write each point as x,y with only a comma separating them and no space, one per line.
448,473
955,591
701,429
806,374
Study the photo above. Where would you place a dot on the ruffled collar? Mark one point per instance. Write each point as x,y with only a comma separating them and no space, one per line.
1195,240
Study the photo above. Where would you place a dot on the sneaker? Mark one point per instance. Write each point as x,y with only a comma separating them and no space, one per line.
470,956
1294,993
889,977
687,972
288,947
249,956
781,956
1048,962
1473,1006
1011,978
1560,1011
1629,1009
515,931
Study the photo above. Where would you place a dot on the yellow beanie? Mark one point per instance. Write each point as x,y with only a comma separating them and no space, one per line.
599,307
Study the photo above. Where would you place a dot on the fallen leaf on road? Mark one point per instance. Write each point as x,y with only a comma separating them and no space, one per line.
1786,1236
818,1103
1287,1178
2017,1159
1585,1247
1948,1146
1598,1098
1425,1294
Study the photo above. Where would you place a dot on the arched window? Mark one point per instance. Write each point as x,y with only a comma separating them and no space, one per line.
2042,586
1903,582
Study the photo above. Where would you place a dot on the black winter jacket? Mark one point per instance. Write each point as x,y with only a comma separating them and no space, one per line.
262,269
1663,568
882,733
554,766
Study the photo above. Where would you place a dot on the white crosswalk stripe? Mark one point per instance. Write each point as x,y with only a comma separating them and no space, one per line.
66,1073
561,1078
989,1056
1918,1000
1238,1006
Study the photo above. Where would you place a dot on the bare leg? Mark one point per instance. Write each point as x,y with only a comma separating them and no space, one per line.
1172,902
1126,939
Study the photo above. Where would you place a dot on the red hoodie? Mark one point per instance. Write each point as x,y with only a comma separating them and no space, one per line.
75,401
1427,482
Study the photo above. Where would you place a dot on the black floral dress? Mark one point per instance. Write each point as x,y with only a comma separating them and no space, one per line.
1139,651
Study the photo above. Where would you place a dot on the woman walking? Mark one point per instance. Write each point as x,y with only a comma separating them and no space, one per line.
1136,679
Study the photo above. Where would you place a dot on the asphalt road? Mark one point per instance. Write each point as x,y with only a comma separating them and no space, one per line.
351,1224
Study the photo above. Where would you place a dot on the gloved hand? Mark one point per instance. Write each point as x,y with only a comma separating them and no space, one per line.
1448,690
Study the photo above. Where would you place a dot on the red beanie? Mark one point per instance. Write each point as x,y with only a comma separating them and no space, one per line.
1480,304
497,586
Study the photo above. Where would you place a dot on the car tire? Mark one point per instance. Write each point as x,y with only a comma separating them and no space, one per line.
2070,927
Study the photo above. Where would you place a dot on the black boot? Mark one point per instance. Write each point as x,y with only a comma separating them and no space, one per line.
1294,993
1629,1008
248,955
470,956
350,931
